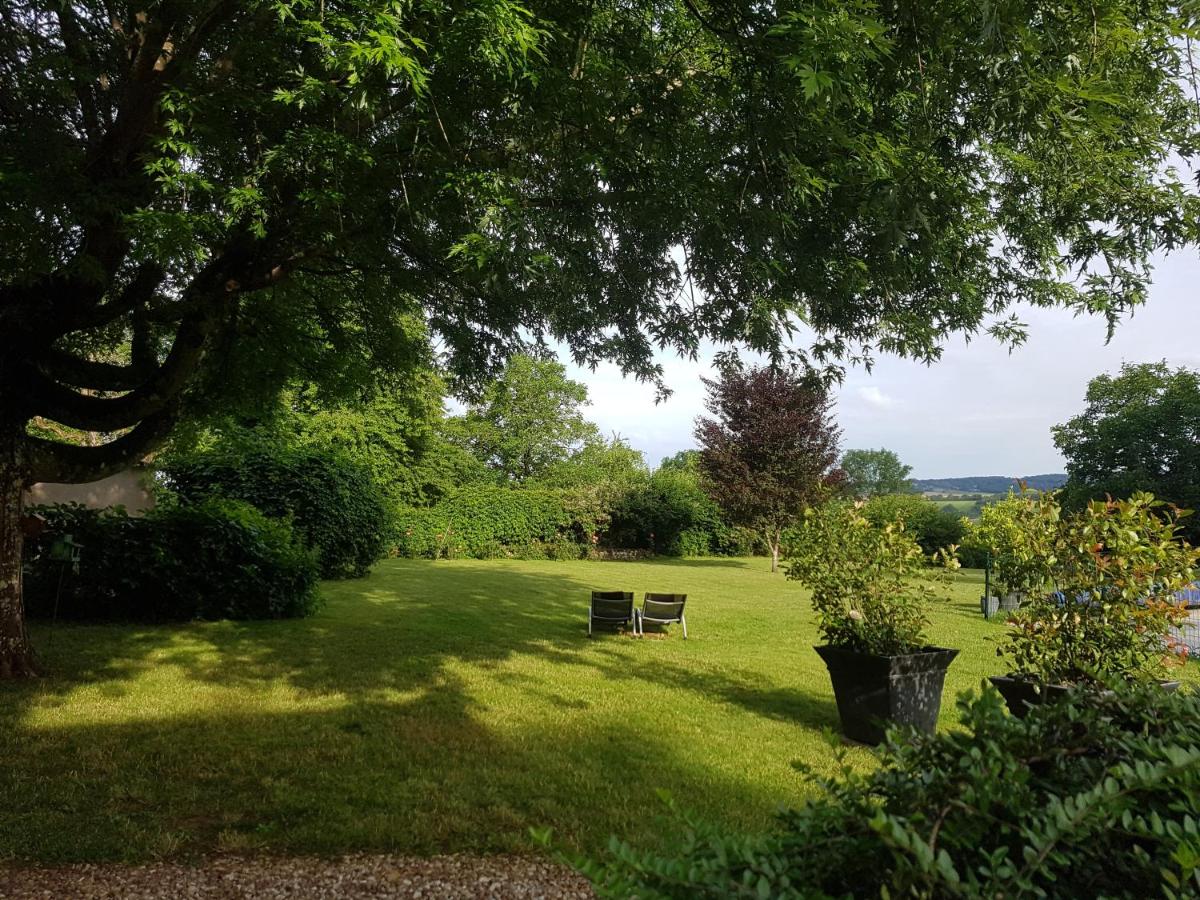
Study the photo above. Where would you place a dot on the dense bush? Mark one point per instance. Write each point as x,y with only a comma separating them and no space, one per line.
488,521
1090,797
971,554
671,514
335,505
217,559
932,526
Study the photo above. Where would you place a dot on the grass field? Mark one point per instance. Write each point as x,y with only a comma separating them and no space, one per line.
960,507
433,706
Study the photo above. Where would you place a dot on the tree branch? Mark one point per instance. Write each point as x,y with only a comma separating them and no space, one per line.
46,397
138,292
71,464
74,42
68,368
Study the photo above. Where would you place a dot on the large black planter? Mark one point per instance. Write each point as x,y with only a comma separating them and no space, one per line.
1022,694
873,692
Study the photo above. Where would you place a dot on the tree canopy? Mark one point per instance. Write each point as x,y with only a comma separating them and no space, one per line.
222,189
205,199
1139,431
528,420
394,428
871,473
769,451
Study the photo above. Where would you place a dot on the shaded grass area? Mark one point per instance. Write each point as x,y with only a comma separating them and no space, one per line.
431,707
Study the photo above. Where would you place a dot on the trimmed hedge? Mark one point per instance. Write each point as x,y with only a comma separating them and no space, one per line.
488,522
218,559
334,504
1091,796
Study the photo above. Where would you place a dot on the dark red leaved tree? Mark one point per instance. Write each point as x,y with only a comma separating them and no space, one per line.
770,450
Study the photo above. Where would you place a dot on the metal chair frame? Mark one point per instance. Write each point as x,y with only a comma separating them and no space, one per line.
640,616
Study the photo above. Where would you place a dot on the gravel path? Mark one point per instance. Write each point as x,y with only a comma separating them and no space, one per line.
267,878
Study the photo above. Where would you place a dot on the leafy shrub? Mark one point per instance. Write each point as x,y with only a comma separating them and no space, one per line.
334,504
564,547
1091,797
971,554
933,527
691,542
868,585
1004,532
217,559
1107,578
486,521
737,540
670,514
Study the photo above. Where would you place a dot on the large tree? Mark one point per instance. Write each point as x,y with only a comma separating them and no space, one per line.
1139,431
203,198
871,473
528,421
771,449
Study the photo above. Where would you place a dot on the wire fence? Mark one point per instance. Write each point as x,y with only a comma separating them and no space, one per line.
1188,633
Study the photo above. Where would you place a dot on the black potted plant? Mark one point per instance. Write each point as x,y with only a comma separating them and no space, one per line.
1106,605
871,588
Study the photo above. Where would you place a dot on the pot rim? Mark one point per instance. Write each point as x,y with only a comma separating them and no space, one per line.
928,649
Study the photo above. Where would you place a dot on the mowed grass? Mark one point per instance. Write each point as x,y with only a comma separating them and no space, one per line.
432,707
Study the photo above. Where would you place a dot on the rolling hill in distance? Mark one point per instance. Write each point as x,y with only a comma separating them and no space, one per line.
988,484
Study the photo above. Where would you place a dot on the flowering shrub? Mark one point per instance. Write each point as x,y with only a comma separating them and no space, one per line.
870,585
1107,605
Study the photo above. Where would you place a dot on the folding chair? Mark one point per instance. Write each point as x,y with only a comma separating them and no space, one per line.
661,609
611,608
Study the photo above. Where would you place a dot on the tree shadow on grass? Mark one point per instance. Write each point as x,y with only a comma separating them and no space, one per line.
372,777
378,742
810,706
421,776
711,562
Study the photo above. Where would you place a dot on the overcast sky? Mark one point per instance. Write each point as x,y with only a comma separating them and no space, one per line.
979,411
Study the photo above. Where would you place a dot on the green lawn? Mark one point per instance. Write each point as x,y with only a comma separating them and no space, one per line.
430,707
961,507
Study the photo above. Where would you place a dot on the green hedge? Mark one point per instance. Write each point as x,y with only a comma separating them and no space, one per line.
334,504
486,522
218,559
1093,796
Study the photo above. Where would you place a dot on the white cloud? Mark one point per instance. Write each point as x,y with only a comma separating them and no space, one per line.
873,396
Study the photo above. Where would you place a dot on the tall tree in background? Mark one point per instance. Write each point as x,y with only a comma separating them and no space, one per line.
769,451
1140,431
871,473
205,199
528,420
393,427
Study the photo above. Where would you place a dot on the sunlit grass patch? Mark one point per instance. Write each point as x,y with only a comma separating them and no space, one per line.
432,707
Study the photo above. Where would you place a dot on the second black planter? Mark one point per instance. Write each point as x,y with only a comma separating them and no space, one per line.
873,692
1022,694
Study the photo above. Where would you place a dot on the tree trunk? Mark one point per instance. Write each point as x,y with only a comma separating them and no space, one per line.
773,543
16,653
